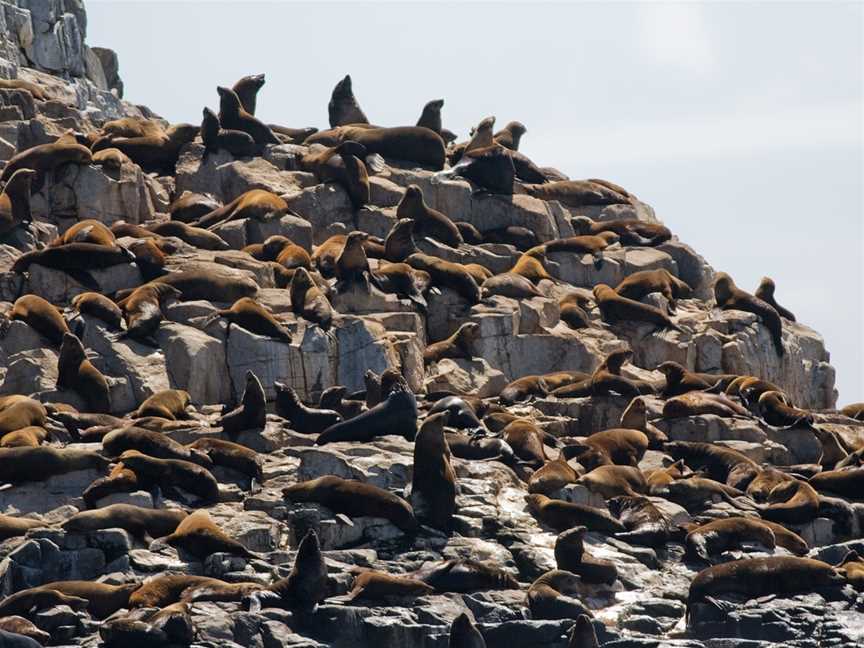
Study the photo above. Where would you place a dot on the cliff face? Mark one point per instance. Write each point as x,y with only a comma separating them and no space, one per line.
519,334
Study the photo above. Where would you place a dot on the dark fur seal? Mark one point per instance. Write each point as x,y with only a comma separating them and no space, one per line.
716,460
765,292
303,419
255,318
306,585
76,372
157,153
142,310
631,231
343,108
396,415
215,138
561,515
427,221
15,201
230,455
463,576
433,488
27,464
195,236
44,158
143,523
251,414
447,274
100,307
232,116
570,555
464,634
173,472
548,596
410,143
614,308
730,297
708,540
645,523
154,444
308,300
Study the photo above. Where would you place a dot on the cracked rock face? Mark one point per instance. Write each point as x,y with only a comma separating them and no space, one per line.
386,451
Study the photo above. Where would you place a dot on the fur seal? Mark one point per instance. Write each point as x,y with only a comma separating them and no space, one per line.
15,201
399,244
847,483
639,284
141,522
308,301
464,634
775,410
355,499
173,472
561,515
215,138
169,404
792,502
635,417
381,585
199,535
680,381
427,221
75,259
38,598
527,442
510,136
247,89
86,231
112,159
465,575
458,345
491,168
18,412
614,446
26,464
765,292
306,420
30,436
13,527
523,388
396,415
614,308
511,285
854,411
230,455
593,245
612,481
570,556
553,476
345,165
198,284
189,206
156,153
708,540
306,585
20,84
631,231
44,158
195,236
119,480
255,318
100,307
447,274
410,143
548,596
18,632
251,414
576,193
76,372
153,444
756,577
582,634
103,599
729,297
716,460
256,204
142,309
462,414
352,264
167,589
695,403
433,488
232,116
41,316
404,281
696,493
343,107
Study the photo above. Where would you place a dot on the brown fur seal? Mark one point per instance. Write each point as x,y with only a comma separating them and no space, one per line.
352,264
491,168
697,493
308,301
30,436
230,455
458,345
680,381
380,585
44,158
433,488
325,255
606,379
141,522
195,236
13,527
345,165
465,575
143,309
526,439
232,116
74,258
553,476
615,446
100,307
765,292
119,480
447,274
256,204
614,308
708,540
631,231
37,598
847,483
41,316
730,297
635,417
427,221
645,523
247,89
200,536
198,284
855,411
430,117
577,193
716,460
303,419
570,556
86,231
355,499
154,444
639,284
153,153
343,108
21,627
775,410
173,472
510,136
15,201
561,515
464,634
251,414
215,138
396,415
18,412
548,596
593,245
792,502
399,244
103,599
523,388
404,281
306,585
510,285
26,464
76,372
20,84
255,318
756,577
169,404
190,206
411,143
167,589
582,634
695,403
111,158
612,481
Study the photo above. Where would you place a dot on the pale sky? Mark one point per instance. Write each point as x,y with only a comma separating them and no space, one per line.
740,123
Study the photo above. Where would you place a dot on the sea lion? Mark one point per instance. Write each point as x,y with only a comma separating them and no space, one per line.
708,540
380,585
614,308
169,404
792,502
75,259
232,116
20,84
189,206
352,264
552,476
251,414
527,442
396,415
15,201
247,89
256,204
854,410
612,481
465,575
458,345
308,301
44,158
199,535
427,221
141,522
303,419
153,444
196,284
582,634
343,164
404,281
195,236
230,455
462,414
447,274
399,244
142,309
153,153
756,577
411,143
645,523
679,380
172,625
173,472
86,231
614,446
255,318
433,487
120,480
30,436
343,107
491,168
593,245
167,589
576,193
76,372
14,527
215,138
695,403
19,412
27,464
510,136
464,634
355,499
697,493
37,598
511,285
631,231
635,417
775,410
100,307
765,292
18,632
847,483
729,297
548,596
43,317
716,460
103,599
561,515
571,556
325,255
639,284
111,158
523,388
306,585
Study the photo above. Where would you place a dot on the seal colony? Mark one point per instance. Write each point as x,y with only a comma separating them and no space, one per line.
374,385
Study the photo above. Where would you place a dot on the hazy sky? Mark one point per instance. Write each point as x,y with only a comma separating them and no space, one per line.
740,123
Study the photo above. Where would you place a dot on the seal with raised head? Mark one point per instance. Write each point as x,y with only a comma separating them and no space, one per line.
399,244
156,153
548,596
343,164
729,297
303,419
308,300
100,307
433,488
232,116
306,585
396,415
76,372
251,414
427,221
15,201
582,634
510,136
570,555
88,230
458,345
464,634
343,108
765,292
247,89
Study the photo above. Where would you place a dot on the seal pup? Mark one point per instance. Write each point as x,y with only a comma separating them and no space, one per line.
433,487
251,414
303,419
765,292
729,297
